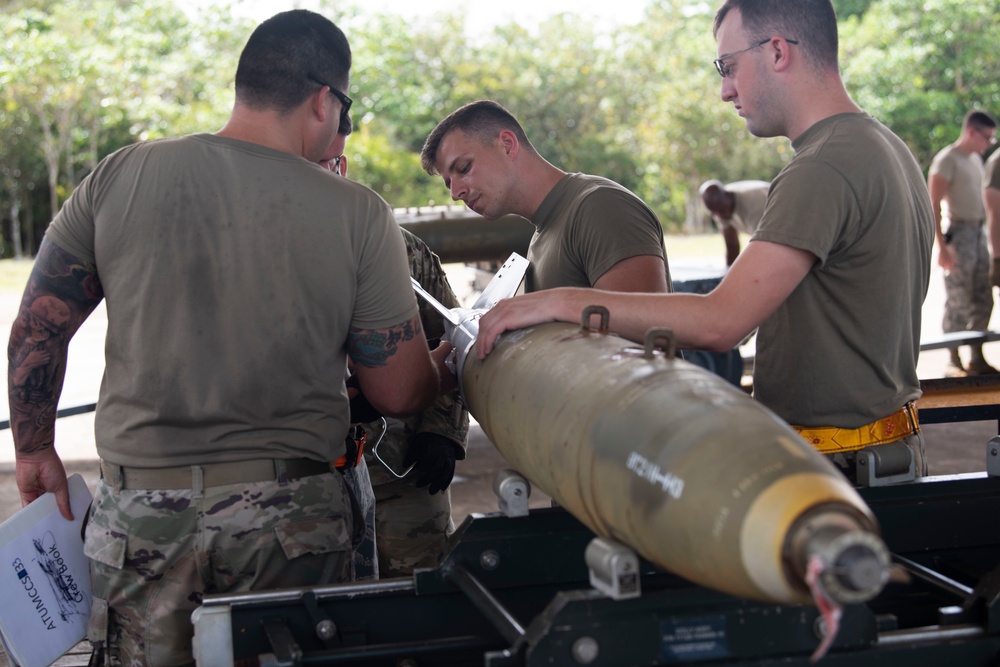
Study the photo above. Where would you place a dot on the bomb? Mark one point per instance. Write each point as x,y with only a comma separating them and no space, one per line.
667,458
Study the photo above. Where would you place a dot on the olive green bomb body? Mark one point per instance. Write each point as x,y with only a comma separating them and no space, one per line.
674,462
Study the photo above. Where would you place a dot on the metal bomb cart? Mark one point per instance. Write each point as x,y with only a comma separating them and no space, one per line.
540,589
664,550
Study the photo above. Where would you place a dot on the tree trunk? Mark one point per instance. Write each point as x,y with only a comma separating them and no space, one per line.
15,224
29,223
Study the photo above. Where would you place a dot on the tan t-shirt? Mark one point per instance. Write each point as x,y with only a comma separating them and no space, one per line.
583,227
750,199
991,172
232,274
842,349
964,173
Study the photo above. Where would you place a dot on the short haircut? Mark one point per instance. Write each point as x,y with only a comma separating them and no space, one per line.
979,120
812,23
711,185
482,120
286,56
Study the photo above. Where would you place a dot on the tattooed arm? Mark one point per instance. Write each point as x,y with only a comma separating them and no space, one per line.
61,292
397,373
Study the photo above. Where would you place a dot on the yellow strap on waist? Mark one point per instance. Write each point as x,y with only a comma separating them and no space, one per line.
831,439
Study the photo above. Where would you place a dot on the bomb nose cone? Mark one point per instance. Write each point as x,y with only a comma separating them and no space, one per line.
860,567
857,561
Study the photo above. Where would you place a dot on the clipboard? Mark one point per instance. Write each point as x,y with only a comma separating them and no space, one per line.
45,579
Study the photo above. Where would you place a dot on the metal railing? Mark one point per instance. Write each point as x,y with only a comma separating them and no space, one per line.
65,412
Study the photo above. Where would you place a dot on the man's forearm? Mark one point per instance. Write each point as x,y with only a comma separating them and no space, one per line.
32,423
446,417
35,371
61,292
991,199
732,238
993,227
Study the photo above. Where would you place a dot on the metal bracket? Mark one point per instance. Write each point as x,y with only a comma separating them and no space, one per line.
663,339
213,635
603,313
993,456
881,465
513,491
326,629
287,652
614,568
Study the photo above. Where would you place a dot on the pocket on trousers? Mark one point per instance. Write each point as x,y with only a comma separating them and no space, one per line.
97,626
313,535
103,546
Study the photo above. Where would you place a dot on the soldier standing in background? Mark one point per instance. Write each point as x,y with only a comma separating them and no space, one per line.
991,200
411,461
737,207
955,183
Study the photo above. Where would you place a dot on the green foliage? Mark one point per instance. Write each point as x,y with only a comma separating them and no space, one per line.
684,131
848,8
403,83
551,78
639,104
920,67
390,170
82,79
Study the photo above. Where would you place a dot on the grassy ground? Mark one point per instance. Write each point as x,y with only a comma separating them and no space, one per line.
14,273
698,245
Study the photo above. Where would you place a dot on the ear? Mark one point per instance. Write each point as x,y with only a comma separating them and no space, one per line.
782,53
730,204
511,146
343,166
318,103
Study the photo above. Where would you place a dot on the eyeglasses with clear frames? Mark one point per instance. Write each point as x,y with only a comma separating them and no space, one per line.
723,68
991,138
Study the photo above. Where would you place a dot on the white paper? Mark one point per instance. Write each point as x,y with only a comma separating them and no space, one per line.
45,579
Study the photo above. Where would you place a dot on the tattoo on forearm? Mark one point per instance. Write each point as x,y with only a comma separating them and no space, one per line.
372,347
61,292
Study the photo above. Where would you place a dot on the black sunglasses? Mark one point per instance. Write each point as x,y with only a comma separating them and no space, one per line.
345,101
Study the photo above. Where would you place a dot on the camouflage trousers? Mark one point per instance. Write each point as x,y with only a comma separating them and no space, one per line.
365,559
968,293
412,526
155,553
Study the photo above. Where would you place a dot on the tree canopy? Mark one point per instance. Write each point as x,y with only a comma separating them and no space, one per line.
638,103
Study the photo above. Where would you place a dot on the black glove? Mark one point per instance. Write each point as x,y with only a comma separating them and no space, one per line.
434,456
362,411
